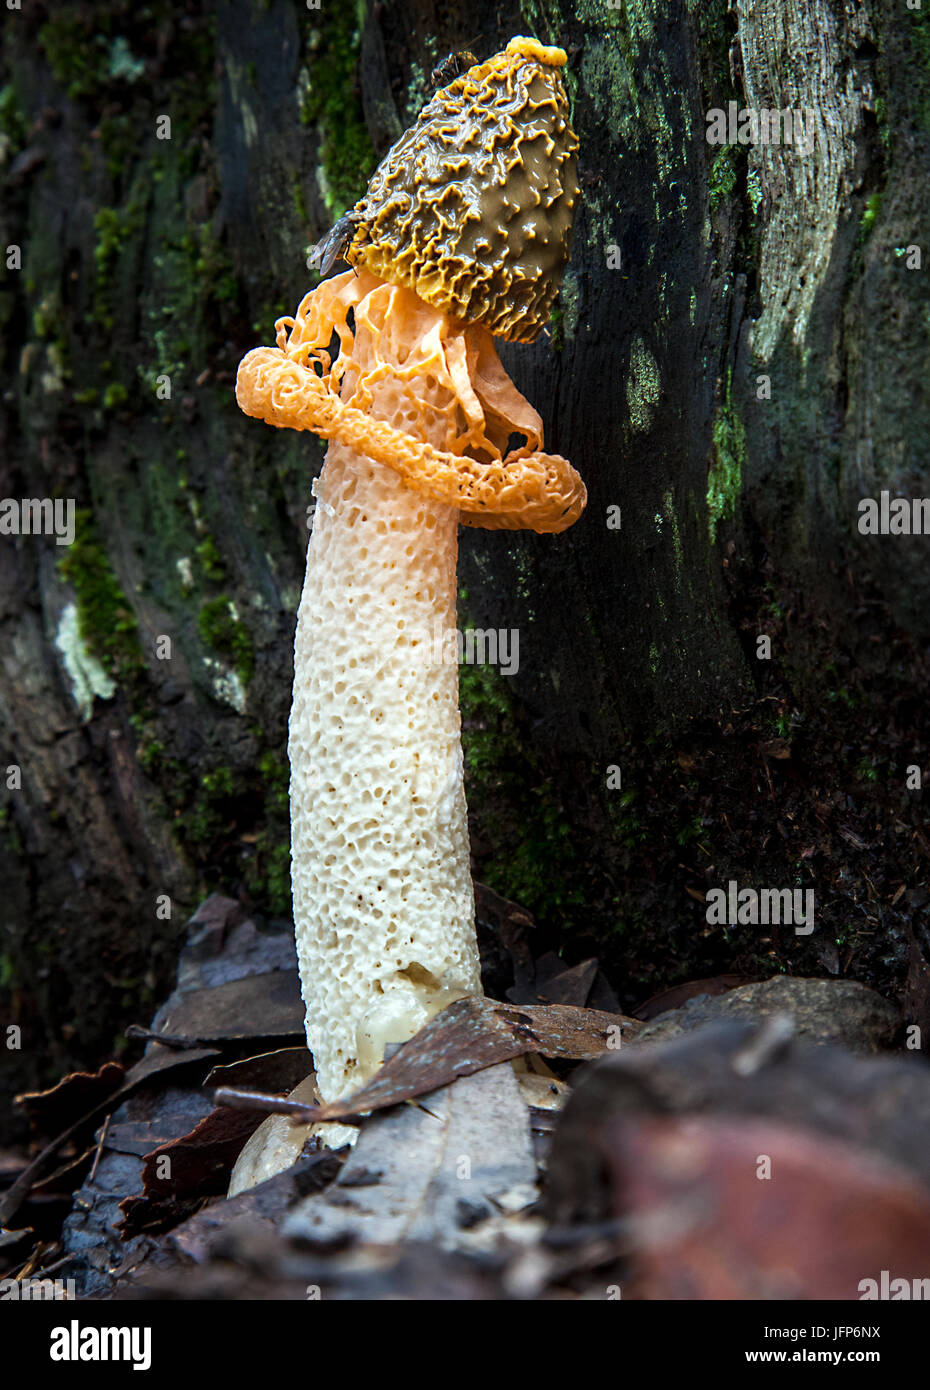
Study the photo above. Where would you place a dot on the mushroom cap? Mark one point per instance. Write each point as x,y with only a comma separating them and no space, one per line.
472,207
401,362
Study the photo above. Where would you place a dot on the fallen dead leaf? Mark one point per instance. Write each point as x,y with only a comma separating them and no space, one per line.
673,998
571,986
55,1109
507,925
269,1071
185,1170
468,1036
157,1061
429,1173
256,1006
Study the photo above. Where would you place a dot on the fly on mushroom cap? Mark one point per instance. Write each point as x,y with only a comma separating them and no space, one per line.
473,206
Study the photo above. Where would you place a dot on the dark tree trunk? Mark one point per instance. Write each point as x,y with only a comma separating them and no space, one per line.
738,358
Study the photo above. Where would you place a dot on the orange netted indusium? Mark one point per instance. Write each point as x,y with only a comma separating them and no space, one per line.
412,363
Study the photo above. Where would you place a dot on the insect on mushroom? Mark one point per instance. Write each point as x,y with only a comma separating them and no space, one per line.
451,67
332,247
464,233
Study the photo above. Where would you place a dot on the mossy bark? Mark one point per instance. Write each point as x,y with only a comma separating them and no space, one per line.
696,273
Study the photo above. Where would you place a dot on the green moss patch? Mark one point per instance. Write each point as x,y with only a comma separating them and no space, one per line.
107,624
724,478
332,103
224,633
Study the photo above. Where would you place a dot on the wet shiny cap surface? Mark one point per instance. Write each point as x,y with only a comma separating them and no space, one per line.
472,207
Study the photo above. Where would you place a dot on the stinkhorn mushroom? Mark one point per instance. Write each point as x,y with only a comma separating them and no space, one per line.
464,233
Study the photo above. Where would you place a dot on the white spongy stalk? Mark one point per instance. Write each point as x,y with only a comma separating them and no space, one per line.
383,901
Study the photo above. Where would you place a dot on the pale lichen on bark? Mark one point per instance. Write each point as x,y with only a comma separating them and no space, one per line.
796,54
